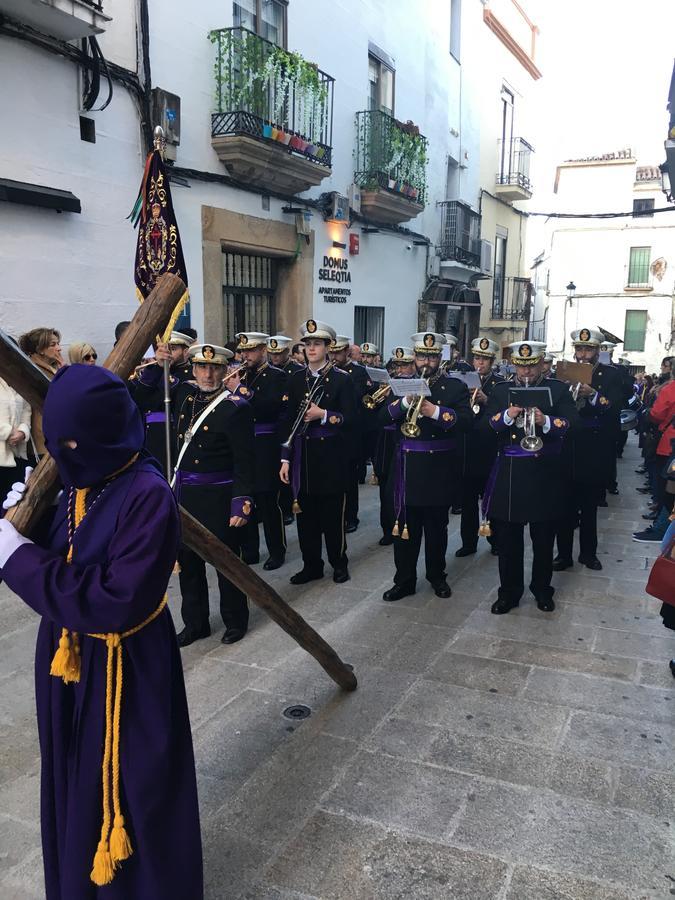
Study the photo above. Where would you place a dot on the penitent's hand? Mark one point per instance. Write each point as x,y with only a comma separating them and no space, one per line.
15,493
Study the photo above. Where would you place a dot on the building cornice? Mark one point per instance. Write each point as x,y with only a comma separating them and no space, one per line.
510,43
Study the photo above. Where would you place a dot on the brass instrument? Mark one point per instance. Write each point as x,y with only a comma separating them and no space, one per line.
410,428
370,401
531,442
475,407
235,373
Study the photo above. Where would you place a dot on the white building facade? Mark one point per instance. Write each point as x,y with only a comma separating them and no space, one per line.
614,273
306,185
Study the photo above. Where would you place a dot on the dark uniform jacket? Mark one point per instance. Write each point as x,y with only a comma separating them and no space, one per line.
267,386
590,451
291,367
431,475
151,403
323,448
530,488
364,417
480,442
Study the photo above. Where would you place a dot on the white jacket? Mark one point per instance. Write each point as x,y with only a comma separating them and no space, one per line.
14,413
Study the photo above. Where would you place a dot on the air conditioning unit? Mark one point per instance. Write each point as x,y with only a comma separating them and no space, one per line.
355,197
338,209
434,267
486,257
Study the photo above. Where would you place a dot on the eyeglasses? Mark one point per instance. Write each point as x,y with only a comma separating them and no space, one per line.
89,356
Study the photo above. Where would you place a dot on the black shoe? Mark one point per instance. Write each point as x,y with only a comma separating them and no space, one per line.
672,667
289,519
397,592
251,559
304,575
386,540
350,527
465,551
442,588
651,515
613,490
503,605
560,564
644,490
340,575
274,562
189,635
640,471
591,562
232,635
546,604
494,551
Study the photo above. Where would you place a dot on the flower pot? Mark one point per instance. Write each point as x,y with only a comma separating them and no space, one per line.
392,184
311,149
285,138
275,132
320,153
267,131
295,142
303,145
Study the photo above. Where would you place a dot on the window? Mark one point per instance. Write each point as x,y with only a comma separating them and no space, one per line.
499,280
380,85
638,267
506,146
643,208
369,326
455,27
635,329
265,17
249,284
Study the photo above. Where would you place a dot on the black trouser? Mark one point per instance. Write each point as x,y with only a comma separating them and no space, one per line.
472,489
432,522
386,508
511,553
621,443
267,511
352,495
195,593
322,515
286,500
582,508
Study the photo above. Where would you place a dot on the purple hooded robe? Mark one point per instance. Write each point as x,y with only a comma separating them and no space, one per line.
123,554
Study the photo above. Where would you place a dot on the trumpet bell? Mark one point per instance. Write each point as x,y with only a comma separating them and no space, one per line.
531,443
368,402
411,429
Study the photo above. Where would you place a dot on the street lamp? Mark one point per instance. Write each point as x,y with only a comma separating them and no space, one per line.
666,186
571,288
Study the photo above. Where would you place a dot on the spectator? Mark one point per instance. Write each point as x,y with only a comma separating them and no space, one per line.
662,420
82,353
298,354
355,353
15,415
43,345
120,328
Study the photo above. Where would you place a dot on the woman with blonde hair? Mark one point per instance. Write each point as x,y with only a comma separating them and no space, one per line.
43,345
83,353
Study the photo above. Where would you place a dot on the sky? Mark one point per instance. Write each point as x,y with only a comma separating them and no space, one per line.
606,68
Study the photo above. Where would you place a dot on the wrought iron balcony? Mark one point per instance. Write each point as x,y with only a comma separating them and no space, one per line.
391,160
265,92
513,177
460,233
511,298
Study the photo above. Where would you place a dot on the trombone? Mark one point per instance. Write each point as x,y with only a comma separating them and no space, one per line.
370,401
410,428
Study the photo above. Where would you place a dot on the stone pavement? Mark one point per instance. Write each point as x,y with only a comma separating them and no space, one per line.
521,757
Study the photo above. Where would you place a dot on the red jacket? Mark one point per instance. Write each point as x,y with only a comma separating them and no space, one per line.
663,414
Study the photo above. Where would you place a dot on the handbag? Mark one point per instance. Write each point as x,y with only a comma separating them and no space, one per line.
661,582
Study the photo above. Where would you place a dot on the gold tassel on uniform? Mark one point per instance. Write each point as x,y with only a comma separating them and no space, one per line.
295,508
404,534
374,480
395,530
484,530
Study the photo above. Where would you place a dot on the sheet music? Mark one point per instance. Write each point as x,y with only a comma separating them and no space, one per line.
379,376
604,357
446,351
470,379
402,387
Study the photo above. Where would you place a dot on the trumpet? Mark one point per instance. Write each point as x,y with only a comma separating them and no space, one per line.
410,428
574,390
531,442
370,401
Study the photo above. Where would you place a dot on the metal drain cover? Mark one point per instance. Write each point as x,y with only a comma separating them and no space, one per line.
297,712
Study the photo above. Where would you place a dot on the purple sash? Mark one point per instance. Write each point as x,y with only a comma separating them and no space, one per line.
313,432
155,418
413,446
265,428
199,478
514,451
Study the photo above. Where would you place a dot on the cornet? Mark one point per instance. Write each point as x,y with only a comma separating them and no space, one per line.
370,401
531,442
410,428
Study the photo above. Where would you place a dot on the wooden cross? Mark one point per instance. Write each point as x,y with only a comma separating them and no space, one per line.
151,319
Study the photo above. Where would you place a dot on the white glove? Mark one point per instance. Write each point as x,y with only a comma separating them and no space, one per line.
10,540
15,494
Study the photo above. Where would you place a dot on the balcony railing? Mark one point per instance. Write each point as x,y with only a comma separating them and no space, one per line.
390,155
460,233
265,92
511,298
514,163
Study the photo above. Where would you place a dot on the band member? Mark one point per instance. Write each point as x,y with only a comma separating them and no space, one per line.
282,353
267,386
455,362
152,406
622,368
279,354
369,357
526,484
214,481
339,356
321,409
369,354
480,446
590,452
547,365
401,365
425,468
